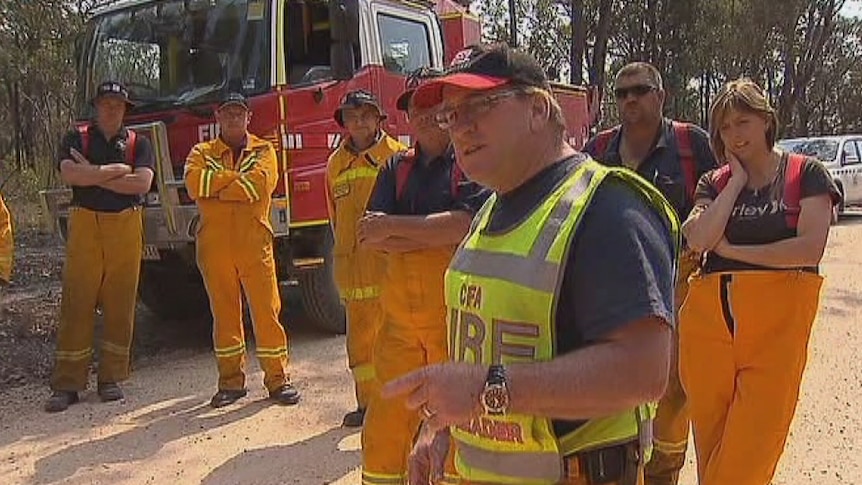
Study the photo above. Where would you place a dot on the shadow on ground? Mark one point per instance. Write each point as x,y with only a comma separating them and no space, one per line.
313,461
147,434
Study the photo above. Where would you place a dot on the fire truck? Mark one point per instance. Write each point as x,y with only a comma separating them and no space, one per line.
294,60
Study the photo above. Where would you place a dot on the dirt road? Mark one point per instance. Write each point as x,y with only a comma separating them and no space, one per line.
164,432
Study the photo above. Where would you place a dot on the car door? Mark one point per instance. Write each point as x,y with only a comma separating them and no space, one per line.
850,173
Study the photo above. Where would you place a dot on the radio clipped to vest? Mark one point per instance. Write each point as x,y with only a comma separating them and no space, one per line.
131,142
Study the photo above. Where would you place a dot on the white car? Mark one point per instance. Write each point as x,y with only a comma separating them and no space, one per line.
842,155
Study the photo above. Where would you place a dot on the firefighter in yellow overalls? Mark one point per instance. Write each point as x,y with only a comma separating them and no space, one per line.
7,248
350,176
420,210
232,179
109,168
559,300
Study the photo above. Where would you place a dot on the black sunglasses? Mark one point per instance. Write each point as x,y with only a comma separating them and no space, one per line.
638,90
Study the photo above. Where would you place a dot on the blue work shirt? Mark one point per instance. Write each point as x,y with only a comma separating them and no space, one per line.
428,188
662,166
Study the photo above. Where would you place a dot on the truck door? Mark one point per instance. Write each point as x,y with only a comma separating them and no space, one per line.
405,40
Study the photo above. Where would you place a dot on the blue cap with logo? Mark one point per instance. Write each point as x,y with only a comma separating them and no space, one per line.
113,89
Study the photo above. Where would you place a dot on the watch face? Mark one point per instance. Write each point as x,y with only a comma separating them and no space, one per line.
496,399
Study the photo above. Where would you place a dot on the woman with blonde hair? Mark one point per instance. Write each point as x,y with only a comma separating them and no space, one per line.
762,220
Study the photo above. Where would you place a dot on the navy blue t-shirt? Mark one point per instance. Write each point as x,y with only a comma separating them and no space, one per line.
619,268
428,189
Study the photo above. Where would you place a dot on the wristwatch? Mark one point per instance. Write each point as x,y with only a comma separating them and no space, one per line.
495,395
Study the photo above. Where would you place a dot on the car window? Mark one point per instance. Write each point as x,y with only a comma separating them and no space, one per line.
850,155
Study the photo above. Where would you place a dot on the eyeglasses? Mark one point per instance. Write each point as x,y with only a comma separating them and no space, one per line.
638,90
470,110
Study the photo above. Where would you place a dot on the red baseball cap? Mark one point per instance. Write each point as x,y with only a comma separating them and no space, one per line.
481,67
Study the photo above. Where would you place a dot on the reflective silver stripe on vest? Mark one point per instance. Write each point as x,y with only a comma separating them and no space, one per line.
531,271
534,466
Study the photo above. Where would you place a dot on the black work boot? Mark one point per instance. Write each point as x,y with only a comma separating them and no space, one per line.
60,401
109,391
354,419
226,397
286,395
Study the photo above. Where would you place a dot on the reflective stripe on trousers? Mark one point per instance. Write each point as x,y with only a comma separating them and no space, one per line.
103,263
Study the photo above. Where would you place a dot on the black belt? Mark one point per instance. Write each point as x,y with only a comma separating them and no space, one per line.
614,464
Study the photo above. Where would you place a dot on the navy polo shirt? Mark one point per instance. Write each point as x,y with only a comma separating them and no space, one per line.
662,166
428,188
102,151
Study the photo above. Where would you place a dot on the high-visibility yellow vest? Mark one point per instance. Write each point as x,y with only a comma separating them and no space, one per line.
501,294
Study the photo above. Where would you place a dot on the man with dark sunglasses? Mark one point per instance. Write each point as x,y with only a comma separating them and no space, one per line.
673,156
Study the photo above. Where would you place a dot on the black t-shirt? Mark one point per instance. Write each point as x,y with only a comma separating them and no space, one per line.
619,268
428,189
662,165
105,152
758,216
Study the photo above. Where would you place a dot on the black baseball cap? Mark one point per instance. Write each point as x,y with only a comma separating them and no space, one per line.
233,99
112,89
482,67
355,99
414,80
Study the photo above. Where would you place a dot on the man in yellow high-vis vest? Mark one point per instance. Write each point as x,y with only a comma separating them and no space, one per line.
560,299
351,173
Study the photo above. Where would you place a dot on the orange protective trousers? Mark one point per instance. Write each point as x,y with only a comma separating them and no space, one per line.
743,347
235,254
7,246
103,263
671,422
413,336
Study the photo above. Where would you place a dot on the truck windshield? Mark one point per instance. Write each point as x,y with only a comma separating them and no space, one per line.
181,52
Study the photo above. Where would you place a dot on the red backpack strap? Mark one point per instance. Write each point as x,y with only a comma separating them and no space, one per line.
682,133
720,177
793,188
402,171
603,139
84,131
131,140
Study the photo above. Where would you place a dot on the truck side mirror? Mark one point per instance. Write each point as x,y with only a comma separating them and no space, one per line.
344,32
343,61
344,21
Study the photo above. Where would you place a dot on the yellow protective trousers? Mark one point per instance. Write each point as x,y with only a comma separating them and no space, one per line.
103,263
671,423
364,320
232,262
350,179
743,347
7,246
413,336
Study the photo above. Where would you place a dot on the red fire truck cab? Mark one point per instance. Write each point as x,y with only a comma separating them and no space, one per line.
294,60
